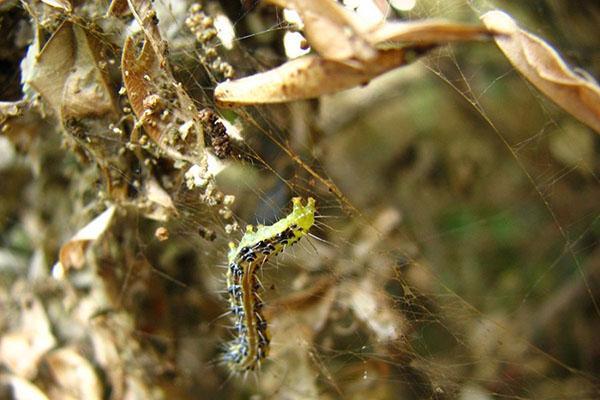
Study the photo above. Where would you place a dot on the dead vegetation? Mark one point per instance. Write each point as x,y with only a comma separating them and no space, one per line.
139,139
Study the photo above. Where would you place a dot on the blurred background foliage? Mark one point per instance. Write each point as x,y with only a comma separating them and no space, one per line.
493,262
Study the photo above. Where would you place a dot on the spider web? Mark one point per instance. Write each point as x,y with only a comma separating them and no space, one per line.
455,250
455,245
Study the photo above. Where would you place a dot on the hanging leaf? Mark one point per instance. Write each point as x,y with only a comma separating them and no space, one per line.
306,77
429,31
541,64
72,253
334,32
348,54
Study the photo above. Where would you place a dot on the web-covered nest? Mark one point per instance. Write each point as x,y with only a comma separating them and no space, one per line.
452,240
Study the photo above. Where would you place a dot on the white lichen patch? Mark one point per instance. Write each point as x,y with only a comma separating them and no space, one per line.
196,177
184,129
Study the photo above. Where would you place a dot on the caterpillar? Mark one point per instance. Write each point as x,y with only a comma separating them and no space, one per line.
251,345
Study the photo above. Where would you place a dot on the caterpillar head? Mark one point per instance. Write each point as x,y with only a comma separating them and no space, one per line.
303,215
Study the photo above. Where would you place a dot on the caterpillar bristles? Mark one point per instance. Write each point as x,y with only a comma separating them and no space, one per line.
251,345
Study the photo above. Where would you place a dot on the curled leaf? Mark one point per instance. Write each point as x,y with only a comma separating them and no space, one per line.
428,32
334,32
67,75
149,84
305,77
135,67
348,54
541,64
72,253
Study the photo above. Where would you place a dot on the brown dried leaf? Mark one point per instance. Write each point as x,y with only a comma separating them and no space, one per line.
134,68
74,376
342,64
67,76
72,253
303,78
145,16
21,350
428,32
52,66
147,86
149,81
334,32
544,68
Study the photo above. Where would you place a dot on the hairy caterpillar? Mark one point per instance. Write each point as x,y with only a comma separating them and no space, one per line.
251,345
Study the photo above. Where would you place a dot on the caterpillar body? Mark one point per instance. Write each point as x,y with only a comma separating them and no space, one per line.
251,345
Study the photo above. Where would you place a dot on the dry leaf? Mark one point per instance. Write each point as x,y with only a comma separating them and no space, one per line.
148,86
21,350
137,68
67,76
303,78
74,376
347,54
545,69
334,32
72,253
428,32
149,81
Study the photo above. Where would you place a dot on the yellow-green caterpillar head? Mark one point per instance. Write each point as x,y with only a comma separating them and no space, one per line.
303,215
